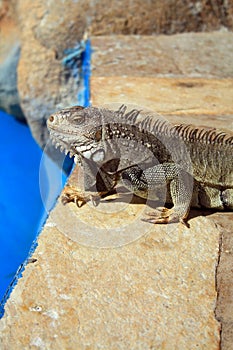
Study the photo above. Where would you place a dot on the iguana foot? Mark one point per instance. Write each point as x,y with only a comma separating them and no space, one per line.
72,194
164,216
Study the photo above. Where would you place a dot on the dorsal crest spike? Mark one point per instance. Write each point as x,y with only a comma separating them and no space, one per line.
132,115
129,117
203,135
121,111
162,126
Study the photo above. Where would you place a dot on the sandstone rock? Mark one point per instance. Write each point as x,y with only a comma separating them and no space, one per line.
195,101
48,28
224,308
157,291
42,81
193,55
9,98
9,57
188,99
101,277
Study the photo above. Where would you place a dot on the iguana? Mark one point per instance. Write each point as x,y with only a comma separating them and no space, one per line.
184,164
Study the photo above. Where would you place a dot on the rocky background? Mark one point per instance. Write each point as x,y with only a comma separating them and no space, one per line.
35,34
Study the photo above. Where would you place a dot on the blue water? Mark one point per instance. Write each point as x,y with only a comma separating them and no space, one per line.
21,207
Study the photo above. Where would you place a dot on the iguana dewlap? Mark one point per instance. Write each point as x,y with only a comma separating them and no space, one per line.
191,166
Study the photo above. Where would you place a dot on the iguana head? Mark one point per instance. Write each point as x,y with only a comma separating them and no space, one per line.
76,130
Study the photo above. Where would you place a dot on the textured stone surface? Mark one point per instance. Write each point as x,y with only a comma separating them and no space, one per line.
150,17
152,286
205,55
42,83
9,97
48,28
156,292
189,68
9,56
195,101
206,100
224,310
123,17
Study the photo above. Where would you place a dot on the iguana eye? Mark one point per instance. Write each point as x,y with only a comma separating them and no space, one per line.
79,119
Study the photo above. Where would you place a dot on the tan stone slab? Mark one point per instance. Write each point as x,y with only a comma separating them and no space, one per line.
224,309
156,292
200,55
199,102
196,101
9,37
103,278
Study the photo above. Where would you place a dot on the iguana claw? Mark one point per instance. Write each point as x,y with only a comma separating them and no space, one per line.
71,194
164,216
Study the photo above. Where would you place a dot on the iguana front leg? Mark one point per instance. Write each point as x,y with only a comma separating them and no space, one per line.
93,184
149,182
73,194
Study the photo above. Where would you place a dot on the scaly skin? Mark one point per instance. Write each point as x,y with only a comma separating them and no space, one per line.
149,155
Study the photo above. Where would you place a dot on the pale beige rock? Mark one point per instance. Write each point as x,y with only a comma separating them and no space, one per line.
42,82
224,278
9,56
152,287
157,292
197,101
180,76
193,55
46,29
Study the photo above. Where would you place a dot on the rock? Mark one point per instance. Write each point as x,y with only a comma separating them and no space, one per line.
189,68
9,57
44,85
9,97
102,278
193,55
46,29
154,291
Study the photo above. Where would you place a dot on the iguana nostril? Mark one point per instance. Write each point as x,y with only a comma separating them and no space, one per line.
51,119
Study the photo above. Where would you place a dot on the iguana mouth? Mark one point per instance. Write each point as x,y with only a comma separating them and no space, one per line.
77,151
60,144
